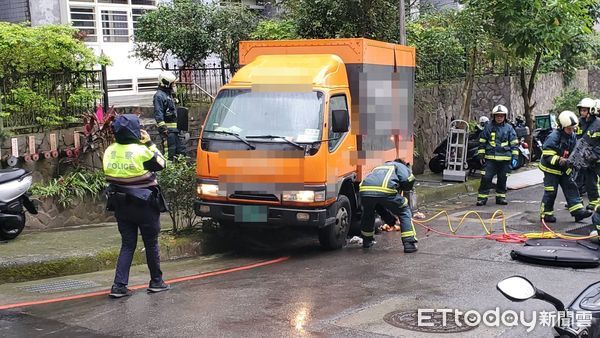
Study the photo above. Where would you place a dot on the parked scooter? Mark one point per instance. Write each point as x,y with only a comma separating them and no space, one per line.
437,164
14,184
518,289
539,136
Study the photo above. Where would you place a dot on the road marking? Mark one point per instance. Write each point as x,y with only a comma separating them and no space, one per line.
143,286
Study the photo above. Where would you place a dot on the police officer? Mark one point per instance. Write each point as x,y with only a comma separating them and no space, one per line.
555,152
497,149
381,189
165,114
133,194
586,178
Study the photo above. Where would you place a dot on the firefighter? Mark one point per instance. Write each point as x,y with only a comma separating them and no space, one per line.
134,196
381,189
555,152
165,114
586,178
497,150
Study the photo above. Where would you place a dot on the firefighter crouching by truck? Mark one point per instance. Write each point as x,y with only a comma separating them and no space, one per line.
381,189
555,152
497,148
134,195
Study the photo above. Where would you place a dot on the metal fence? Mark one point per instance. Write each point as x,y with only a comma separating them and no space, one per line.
33,99
202,84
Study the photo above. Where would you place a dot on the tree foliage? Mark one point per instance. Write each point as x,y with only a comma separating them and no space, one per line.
30,59
275,29
231,24
374,19
530,29
183,27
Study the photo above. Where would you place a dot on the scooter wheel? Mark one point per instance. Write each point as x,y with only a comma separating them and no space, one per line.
7,234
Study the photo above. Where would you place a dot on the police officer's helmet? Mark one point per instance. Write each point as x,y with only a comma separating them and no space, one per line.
500,109
166,79
126,128
567,119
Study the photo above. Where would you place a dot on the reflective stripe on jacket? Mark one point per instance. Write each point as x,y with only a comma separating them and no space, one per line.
558,144
387,179
498,142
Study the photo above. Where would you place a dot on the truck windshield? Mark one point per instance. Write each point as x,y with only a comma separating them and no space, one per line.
295,116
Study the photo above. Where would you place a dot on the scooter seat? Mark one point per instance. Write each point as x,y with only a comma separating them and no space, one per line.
11,174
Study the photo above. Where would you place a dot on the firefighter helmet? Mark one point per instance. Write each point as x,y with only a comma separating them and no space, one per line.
567,119
500,109
166,79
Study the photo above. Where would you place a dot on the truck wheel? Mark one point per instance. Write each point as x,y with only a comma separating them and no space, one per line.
334,235
13,233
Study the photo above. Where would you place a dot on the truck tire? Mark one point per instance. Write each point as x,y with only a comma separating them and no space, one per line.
334,235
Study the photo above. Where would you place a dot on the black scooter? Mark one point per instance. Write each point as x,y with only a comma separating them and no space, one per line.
587,304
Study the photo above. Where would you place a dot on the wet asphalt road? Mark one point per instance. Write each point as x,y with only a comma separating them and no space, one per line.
318,293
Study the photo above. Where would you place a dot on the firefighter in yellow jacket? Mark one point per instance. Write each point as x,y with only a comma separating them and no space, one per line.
381,189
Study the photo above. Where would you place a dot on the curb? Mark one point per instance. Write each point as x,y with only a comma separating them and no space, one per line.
429,195
171,248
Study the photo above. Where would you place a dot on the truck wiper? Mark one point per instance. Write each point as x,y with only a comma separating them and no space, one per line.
232,134
279,137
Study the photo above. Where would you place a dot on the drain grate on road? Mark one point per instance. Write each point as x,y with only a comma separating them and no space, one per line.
60,286
409,320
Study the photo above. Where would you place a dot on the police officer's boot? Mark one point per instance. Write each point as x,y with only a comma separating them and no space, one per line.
481,202
409,245
501,201
581,214
119,291
549,219
158,287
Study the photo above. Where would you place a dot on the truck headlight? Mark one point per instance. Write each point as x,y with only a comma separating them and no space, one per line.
205,189
303,196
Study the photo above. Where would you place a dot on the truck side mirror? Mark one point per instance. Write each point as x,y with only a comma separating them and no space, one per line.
340,121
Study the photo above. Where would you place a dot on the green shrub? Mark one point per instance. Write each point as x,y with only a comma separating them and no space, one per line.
178,184
568,101
79,184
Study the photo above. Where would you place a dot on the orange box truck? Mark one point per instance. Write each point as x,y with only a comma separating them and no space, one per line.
287,141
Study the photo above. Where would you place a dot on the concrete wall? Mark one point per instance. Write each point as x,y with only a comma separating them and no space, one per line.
45,12
14,10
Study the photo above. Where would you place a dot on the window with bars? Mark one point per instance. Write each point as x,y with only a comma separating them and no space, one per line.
84,19
115,27
136,14
119,85
144,2
146,84
119,2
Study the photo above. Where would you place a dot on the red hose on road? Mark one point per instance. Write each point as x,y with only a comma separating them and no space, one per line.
137,287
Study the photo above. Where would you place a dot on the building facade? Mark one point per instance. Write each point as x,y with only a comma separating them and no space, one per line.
108,27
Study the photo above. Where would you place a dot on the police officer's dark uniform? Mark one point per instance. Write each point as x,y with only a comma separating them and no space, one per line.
165,114
497,148
133,194
381,189
555,152
586,178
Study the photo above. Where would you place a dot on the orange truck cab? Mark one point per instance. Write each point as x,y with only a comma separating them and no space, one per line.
287,141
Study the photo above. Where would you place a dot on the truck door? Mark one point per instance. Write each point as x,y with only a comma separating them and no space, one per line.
340,145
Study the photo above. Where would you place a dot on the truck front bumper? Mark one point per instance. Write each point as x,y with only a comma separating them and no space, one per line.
263,215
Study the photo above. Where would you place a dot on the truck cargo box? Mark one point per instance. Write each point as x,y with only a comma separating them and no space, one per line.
381,82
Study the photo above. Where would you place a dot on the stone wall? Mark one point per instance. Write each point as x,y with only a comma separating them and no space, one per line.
436,104
594,82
